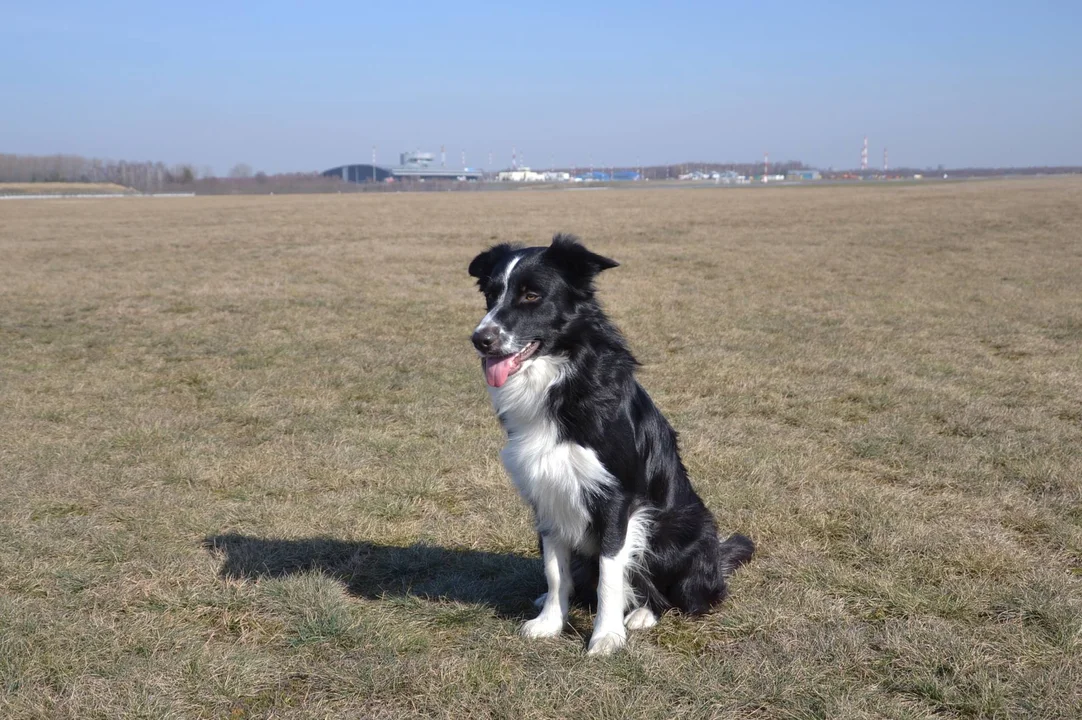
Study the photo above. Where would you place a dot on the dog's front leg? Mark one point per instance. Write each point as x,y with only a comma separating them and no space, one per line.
550,622
609,633
625,535
618,545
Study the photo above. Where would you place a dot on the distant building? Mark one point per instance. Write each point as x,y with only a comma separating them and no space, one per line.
624,175
415,158
520,175
803,175
414,166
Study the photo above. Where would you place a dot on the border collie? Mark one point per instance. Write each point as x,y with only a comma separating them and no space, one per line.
590,452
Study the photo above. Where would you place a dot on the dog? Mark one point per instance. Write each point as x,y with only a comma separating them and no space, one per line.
589,452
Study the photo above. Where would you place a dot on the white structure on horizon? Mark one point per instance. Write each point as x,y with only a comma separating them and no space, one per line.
522,174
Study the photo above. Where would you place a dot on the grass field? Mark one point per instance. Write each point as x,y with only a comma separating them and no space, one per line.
248,467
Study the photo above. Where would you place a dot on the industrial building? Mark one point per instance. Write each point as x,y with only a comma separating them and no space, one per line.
803,175
522,174
413,166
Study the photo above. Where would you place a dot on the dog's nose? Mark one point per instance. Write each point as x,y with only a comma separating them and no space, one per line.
484,338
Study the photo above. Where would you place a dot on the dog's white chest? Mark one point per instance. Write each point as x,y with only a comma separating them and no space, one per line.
554,477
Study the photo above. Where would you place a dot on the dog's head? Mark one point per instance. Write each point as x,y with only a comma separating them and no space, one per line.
531,294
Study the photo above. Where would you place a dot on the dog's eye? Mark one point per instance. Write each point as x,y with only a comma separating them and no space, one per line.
530,296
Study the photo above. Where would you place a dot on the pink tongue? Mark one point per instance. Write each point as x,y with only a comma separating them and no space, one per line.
497,370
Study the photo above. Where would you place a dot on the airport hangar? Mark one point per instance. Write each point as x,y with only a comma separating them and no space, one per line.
415,166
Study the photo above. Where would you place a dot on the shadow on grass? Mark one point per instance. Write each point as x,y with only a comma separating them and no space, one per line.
505,582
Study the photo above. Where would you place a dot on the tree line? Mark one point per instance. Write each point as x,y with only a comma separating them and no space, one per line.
143,176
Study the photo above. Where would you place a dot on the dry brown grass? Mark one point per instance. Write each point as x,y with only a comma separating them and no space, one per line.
61,188
248,468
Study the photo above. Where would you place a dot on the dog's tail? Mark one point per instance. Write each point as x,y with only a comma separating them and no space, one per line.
735,551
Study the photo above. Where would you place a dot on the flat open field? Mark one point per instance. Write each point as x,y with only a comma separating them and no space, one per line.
248,467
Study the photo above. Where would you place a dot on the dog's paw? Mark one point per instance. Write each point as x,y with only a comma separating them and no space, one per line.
540,601
606,644
640,619
541,627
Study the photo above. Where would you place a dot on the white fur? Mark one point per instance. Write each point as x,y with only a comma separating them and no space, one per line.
553,476
640,619
550,622
614,592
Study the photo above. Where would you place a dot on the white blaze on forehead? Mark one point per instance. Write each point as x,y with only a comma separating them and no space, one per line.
489,319
507,275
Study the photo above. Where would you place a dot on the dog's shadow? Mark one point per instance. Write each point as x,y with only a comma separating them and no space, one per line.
506,582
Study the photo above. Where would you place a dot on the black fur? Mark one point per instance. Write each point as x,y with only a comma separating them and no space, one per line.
600,405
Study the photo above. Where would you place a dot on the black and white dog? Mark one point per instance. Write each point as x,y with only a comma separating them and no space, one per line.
590,452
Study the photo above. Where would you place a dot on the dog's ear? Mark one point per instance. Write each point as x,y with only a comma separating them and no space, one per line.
577,263
482,265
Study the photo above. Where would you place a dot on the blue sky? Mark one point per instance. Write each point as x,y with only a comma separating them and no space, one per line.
305,86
